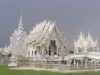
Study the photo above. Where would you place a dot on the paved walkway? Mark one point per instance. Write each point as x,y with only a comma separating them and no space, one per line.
52,70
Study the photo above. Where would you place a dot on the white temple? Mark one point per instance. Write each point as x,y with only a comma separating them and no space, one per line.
45,46
45,39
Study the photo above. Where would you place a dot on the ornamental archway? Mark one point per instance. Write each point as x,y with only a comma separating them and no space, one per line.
52,48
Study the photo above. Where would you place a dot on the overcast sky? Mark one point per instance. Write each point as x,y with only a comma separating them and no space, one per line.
70,15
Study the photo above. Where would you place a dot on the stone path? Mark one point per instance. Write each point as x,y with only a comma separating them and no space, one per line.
52,70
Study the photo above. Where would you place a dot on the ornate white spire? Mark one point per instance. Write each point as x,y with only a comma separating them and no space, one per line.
81,36
20,25
20,22
97,44
89,36
17,40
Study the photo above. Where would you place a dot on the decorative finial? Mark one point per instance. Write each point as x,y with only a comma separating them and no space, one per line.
21,22
20,25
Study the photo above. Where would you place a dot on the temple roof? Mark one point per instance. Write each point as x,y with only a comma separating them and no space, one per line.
41,31
85,41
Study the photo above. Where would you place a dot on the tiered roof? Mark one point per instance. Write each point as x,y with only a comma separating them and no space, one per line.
41,32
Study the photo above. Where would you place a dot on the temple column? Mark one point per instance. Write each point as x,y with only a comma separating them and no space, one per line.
82,63
57,50
74,63
86,63
95,63
30,50
68,64
77,63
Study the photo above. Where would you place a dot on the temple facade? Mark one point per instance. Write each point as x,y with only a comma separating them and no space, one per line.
45,39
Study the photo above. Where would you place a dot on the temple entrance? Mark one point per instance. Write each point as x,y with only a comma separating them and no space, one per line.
52,48
38,50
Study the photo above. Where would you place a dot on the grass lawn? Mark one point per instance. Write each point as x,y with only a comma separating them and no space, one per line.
5,71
